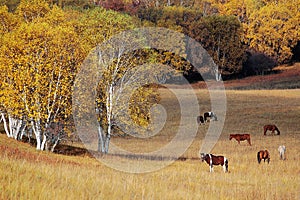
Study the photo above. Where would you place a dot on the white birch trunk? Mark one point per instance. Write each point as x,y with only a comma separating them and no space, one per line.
101,139
5,124
15,127
36,127
54,145
109,107
218,75
22,130
44,142
10,126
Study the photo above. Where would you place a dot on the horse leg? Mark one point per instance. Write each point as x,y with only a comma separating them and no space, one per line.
273,133
249,142
278,132
211,168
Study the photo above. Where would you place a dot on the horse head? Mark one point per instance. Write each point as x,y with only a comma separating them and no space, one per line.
214,116
230,136
203,155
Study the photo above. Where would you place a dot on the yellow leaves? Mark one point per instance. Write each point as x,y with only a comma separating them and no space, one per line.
38,62
99,24
32,9
272,30
7,21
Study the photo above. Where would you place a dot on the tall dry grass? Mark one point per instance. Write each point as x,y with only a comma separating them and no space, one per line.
28,174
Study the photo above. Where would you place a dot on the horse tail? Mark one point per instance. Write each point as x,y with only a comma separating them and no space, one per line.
258,157
226,164
278,132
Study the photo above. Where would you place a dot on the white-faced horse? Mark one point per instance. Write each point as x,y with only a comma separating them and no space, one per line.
215,160
282,150
211,115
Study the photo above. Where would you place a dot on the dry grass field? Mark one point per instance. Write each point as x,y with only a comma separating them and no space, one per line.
28,174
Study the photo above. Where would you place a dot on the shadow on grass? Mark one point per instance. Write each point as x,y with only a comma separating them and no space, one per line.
69,150
78,151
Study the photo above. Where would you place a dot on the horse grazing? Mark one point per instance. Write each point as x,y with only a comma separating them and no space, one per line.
271,127
282,150
200,120
210,115
263,154
215,160
240,137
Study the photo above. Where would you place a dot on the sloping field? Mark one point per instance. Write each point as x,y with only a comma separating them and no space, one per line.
284,77
28,174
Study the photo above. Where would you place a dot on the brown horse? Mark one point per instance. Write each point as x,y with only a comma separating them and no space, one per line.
215,160
240,137
271,127
263,154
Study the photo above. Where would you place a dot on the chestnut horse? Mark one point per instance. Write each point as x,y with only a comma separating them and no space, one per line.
215,160
240,137
271,127
263,154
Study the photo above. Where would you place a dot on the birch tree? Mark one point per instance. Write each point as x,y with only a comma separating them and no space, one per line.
38,67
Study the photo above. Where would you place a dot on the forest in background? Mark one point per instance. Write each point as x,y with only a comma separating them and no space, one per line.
244,38
38,67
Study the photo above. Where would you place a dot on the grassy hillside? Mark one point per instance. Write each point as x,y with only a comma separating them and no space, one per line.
283,77
28,174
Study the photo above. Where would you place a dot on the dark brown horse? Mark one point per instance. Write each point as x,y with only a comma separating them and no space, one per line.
240,137
271,127
215,160
263,154
200,120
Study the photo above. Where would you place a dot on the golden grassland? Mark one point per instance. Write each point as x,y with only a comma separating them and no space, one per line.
28,174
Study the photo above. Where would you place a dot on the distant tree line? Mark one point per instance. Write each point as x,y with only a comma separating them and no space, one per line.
237,34
231,30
